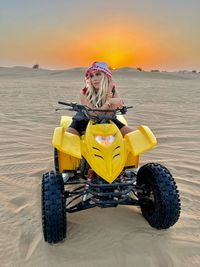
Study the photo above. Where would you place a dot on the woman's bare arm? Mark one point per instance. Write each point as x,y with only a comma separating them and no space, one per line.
111,103
116,94
84,100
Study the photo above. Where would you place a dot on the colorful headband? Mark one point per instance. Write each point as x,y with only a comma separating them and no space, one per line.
99,66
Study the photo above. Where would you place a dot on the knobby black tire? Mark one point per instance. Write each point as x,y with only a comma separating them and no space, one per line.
164,211
53,208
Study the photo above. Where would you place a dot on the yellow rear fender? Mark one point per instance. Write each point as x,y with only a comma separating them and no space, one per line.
140,140
66,142
65,121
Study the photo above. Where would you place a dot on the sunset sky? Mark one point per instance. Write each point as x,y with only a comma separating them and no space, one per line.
151,34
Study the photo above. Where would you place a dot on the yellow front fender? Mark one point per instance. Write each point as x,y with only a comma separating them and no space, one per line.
140,140
66,142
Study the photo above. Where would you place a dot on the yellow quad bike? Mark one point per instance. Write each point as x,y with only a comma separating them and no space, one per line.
100,169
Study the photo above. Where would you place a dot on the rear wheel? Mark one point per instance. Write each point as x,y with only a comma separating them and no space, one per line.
53,208
160,202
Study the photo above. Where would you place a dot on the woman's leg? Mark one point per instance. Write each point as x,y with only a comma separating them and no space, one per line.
78,126
125,129
73,131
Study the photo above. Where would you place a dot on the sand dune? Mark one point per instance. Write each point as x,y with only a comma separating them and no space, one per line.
167,102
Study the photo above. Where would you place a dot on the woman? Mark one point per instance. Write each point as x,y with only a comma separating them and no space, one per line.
98,93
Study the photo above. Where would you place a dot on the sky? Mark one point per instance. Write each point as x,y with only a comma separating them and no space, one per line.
59,34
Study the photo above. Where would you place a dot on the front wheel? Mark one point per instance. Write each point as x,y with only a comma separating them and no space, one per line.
53,208
160,204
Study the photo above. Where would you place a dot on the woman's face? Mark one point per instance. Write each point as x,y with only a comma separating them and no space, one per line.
95,78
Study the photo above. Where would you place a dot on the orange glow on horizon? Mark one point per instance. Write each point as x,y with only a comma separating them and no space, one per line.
122,35
118,48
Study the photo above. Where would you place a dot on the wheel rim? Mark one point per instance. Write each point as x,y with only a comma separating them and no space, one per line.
149,202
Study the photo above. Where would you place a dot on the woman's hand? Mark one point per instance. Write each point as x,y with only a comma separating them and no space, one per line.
110,85
110,88
115,103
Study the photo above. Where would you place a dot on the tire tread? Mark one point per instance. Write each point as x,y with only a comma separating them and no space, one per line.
168,207
53,208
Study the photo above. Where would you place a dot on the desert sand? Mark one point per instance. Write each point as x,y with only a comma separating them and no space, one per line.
167,102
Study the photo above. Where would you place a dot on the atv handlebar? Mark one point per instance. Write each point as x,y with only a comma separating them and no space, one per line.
79,107
90,112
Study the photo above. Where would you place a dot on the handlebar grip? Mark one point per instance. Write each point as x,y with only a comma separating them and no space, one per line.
129,107
63,103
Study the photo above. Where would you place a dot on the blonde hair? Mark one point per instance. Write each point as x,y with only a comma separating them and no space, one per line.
98,98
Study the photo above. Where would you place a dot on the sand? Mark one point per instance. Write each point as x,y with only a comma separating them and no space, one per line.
167,102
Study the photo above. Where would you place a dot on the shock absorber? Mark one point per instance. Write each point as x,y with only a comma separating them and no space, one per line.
90,176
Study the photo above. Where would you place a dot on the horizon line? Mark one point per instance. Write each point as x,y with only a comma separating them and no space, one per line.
112,69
